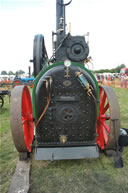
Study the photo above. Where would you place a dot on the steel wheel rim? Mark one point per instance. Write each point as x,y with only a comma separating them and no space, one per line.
22,125
1,102
108,112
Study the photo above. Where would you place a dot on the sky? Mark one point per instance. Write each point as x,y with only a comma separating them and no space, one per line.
105,20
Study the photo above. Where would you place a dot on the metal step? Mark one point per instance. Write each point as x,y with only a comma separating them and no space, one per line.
66,153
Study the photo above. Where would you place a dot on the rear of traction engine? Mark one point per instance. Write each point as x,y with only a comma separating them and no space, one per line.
72,117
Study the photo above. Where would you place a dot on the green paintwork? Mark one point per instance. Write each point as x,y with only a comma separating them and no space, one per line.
52,66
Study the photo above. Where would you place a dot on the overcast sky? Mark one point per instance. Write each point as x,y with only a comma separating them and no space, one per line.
106,20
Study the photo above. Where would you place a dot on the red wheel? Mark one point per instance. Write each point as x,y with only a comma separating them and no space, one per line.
22,125
108,122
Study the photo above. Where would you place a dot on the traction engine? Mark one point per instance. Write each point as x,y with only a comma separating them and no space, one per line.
70,116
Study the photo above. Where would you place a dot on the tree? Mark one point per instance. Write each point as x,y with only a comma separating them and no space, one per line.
19,72
11,73
118,68
4,72
123,66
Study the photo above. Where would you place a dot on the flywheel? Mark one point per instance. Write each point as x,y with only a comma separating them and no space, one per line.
22,125
108,122
39,53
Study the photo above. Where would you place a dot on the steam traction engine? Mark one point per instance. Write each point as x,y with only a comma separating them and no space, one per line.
70,115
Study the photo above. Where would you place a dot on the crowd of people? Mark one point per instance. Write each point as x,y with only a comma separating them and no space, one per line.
108,79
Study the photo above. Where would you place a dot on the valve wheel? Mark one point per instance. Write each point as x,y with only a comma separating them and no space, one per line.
22,125
109,114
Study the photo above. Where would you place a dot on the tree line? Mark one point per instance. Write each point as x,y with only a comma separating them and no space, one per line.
19,72
113,70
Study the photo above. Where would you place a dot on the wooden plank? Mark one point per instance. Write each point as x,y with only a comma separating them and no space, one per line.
20,181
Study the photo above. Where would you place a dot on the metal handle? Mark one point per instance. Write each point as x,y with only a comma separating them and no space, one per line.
62,4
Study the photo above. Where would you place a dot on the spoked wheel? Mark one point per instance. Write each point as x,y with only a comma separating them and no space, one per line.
22,125
1,102
108,122
39,53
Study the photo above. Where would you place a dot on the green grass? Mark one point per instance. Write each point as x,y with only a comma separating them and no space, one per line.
76,176
8,154
72,176
122,95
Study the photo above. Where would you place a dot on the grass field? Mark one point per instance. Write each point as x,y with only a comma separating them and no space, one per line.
8,154
73,176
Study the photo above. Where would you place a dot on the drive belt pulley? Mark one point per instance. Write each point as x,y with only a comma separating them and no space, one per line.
39,54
